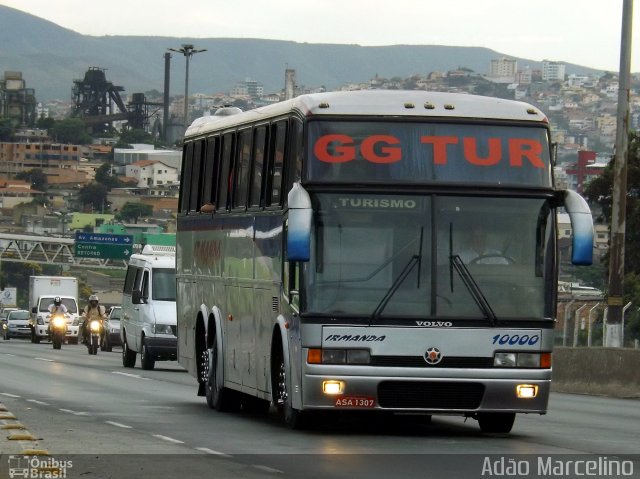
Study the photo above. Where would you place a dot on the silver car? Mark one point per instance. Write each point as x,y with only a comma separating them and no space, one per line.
17,325
111,330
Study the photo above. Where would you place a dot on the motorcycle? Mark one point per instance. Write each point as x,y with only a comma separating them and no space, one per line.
57,330
95,333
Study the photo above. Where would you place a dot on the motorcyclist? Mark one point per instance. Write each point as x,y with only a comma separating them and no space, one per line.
92,311
57,306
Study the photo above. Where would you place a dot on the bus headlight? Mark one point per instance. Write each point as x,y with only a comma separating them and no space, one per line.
332,387
526,391
522,360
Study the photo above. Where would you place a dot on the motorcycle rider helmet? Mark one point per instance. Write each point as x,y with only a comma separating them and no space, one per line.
57,301
93,299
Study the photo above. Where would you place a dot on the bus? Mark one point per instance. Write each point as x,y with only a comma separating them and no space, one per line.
322,261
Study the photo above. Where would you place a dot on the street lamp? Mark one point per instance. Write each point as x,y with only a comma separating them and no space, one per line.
188,51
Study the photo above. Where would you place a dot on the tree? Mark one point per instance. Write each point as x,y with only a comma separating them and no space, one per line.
71,130
94,194
35,177
104,177
600,191
45,123
128,137
133,211
6,129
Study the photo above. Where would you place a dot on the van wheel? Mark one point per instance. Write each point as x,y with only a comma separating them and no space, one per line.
147,361
218,397
128,356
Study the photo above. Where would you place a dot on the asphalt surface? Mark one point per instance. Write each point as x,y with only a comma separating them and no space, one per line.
111,421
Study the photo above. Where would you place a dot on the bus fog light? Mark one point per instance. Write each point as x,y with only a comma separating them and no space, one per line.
334,356
527,391
358,356
332,387
504,360
528,360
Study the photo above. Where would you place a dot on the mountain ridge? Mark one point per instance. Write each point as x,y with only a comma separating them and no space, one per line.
50,57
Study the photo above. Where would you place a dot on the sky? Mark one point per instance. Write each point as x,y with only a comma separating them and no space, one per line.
584,32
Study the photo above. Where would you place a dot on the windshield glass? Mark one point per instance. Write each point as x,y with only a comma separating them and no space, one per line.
394,255
18,315
369,152
164,284
70,303
115,313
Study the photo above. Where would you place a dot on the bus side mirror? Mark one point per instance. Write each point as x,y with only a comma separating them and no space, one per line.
299,226
34,310
581,226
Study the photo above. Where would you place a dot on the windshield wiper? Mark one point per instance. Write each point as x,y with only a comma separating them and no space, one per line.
455,262
476,293
416,259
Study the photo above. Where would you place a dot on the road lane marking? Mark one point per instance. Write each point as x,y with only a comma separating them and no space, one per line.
45,359
9,354
117,424
136,376
211,451
268,469
35,401
11,395
168,439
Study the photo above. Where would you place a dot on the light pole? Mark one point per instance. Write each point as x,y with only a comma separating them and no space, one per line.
188,51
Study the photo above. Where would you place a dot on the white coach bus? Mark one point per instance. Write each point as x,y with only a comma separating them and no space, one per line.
373,250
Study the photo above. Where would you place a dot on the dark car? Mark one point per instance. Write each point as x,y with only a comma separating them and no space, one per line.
111,330
17,325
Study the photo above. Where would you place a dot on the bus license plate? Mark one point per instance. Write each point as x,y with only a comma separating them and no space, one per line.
355,401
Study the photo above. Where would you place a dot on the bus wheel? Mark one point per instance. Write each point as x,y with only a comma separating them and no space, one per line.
218,397
292,417
496,422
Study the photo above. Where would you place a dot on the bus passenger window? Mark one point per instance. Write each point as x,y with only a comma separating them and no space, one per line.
185,186
259,150
196,176
243,168
210,176
226,173
278,151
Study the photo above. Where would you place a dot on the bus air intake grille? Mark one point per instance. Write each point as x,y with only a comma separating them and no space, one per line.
419,362
275,304
429,395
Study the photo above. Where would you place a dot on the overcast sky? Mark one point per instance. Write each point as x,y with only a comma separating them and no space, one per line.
585,32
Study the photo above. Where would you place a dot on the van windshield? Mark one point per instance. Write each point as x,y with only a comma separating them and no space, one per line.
70,303
164,284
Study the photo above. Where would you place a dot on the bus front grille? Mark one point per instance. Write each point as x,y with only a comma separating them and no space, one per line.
419,362
429,395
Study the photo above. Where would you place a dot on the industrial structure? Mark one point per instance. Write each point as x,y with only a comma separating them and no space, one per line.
17,102
98,102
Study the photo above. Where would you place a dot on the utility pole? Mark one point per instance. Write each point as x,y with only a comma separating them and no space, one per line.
165,111
615,299
188,51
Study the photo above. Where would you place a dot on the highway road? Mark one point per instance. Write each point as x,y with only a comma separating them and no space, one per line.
119,422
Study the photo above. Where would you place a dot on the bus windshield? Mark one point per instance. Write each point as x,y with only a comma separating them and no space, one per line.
419,152
411,256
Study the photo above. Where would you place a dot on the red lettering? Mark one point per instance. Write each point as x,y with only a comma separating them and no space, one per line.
520,148
440,147
347,152
471,151
391,153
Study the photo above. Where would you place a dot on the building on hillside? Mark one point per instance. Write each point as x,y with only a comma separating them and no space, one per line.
81,221
553,71
152,173
503,70
15,192
140,152
584,170
49,157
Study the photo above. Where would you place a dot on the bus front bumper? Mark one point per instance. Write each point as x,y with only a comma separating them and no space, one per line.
445,395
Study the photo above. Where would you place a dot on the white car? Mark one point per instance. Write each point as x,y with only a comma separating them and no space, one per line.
17,324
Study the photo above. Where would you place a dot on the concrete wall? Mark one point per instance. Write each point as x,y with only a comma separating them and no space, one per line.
611,372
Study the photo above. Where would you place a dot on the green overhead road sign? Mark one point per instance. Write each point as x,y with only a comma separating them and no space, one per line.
102,246
102,251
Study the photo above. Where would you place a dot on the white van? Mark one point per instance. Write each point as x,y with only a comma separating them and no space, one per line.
148,324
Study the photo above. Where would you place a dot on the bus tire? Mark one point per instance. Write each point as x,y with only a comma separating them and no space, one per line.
496,422
293,418
218,397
